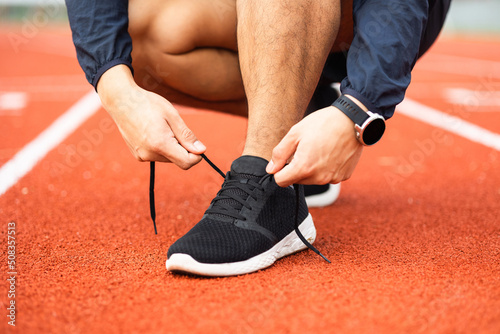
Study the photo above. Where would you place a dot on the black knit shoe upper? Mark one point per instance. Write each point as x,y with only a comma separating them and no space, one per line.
249,215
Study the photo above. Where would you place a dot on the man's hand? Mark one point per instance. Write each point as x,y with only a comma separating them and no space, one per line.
150,125
320,149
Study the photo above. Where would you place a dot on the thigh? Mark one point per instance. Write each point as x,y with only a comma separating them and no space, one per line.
179,26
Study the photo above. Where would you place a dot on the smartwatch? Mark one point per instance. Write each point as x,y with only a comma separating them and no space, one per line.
369,127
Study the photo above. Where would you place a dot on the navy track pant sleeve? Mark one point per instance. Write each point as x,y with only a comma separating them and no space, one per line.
100,34
387,36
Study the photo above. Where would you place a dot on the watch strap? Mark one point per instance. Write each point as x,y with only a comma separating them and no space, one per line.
351,110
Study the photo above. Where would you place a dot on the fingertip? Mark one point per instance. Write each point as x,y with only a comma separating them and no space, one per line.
281,177
280,182
199,147
270,167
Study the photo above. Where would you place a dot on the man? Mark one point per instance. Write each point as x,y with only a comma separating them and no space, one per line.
263,59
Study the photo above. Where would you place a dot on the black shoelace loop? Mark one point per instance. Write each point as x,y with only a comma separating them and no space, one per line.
226,209
220,205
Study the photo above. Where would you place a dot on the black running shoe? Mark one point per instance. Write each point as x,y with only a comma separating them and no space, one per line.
248,225
319,196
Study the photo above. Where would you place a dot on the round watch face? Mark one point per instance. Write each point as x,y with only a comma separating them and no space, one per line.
373,131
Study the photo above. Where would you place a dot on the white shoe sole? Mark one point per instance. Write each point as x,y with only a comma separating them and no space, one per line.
288,245
324,199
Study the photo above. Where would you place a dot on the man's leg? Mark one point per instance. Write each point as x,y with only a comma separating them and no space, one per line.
283,46
186,51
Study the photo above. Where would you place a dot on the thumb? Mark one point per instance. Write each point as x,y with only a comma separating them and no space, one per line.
283,152
184,135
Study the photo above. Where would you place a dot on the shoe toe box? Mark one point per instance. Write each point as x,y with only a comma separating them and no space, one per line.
213,241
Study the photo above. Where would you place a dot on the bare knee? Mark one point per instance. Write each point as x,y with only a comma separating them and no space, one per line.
178,26
175,27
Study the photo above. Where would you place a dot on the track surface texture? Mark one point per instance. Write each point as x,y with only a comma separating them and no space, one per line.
414,238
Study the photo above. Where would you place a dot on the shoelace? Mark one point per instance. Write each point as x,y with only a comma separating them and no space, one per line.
226,209
222,207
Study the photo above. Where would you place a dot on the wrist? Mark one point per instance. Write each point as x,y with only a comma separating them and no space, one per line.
368,127
114,83
358,102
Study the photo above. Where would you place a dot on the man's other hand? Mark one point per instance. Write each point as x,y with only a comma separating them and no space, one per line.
320,149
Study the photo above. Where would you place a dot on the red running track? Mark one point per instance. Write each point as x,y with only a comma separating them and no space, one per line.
414,238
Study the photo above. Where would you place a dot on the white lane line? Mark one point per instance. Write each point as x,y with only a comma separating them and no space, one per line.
449,123
473,98
33,152
12,102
